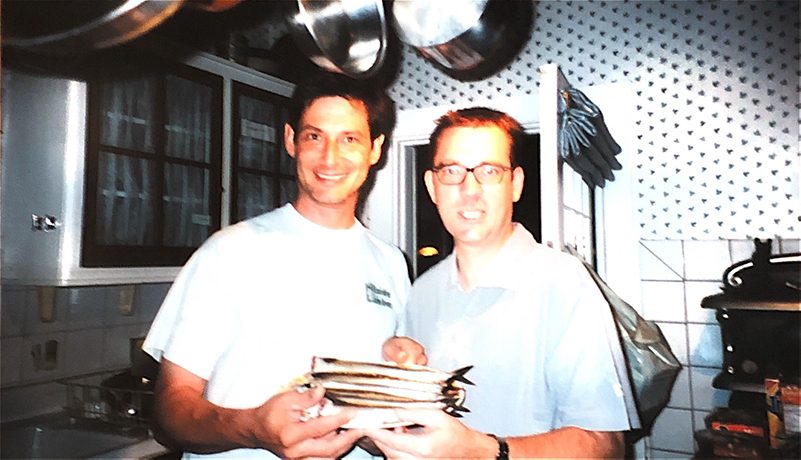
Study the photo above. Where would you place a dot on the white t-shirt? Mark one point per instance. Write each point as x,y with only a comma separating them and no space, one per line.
534,331
261,297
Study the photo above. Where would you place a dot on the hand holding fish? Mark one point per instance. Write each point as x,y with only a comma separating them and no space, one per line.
288,433
403,350
438,435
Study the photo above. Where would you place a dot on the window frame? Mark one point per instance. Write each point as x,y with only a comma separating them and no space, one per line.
96,255
281,103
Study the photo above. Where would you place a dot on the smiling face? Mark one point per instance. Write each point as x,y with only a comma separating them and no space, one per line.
478,216
334,153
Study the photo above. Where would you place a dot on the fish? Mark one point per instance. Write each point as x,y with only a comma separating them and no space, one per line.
323,367
357,380
356,401
382,386
387,391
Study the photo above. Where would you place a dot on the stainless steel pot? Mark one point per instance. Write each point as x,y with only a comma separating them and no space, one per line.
69,26
468,39
345,36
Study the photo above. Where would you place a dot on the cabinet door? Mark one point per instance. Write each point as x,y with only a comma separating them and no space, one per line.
153,166
263,173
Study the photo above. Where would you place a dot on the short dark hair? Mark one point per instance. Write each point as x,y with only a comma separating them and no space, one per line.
380,107
476,117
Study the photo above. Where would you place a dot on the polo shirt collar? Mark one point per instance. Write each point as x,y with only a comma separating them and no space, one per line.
503,270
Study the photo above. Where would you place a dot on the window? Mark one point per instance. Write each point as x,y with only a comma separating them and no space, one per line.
263,174
153,182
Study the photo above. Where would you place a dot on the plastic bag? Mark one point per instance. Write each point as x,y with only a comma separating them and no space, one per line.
652,366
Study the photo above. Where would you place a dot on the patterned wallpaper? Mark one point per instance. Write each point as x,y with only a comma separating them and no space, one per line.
717,104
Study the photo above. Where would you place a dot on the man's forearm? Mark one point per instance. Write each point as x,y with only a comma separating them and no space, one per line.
568,442
190,423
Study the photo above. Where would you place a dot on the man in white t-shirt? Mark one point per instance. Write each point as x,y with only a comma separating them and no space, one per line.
528,318
261,297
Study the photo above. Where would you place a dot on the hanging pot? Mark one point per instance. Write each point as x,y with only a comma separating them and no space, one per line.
70,26
469,39
345,36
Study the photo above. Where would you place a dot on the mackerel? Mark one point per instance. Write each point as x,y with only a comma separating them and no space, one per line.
361,402
323,367
384,391
327,380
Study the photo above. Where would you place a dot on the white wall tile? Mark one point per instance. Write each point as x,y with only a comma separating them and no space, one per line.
705,396
148,299
10,360
789,246
676,335
33,323
29,371
680,395
698,419
113,316
694,293
741,250
116,347
663,301
706,348
661,260
13,311
83,351
85,307
706,260
673,431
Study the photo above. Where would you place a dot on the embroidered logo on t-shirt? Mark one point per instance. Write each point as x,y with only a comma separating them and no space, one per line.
377,295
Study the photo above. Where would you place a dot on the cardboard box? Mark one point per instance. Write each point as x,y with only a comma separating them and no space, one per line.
773,399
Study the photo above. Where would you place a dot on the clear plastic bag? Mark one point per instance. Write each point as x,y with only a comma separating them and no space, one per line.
651,365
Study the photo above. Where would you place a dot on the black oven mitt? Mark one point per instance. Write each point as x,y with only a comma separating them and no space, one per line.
584,140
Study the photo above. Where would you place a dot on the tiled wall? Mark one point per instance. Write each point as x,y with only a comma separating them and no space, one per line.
92,332
676,275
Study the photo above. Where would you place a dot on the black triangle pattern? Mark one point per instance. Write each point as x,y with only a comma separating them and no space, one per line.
717,94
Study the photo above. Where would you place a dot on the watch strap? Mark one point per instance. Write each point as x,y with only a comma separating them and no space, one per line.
503,448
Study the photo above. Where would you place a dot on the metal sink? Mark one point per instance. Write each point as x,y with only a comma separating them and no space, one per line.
62,437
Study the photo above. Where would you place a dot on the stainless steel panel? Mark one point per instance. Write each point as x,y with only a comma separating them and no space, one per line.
44,124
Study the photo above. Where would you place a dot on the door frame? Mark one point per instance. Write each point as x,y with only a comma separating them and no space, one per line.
389,208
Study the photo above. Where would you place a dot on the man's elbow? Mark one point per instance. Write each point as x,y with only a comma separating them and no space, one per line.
160,426
611,444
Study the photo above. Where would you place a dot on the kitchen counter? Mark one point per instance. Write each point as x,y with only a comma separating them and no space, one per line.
147,448
58,435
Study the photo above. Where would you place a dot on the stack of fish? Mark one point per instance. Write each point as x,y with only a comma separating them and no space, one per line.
388,385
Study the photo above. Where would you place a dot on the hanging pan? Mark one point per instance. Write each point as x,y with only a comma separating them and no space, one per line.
466,39
72,26
345,36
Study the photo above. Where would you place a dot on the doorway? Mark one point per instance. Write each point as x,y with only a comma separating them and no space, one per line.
432,242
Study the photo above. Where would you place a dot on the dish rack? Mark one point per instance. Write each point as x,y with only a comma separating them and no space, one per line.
113,397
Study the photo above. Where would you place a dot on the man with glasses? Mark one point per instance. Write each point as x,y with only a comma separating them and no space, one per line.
527,317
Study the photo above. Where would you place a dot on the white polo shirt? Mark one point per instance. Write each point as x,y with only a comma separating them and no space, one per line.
533,328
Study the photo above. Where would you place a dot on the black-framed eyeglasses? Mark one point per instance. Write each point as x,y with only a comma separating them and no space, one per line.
485,173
